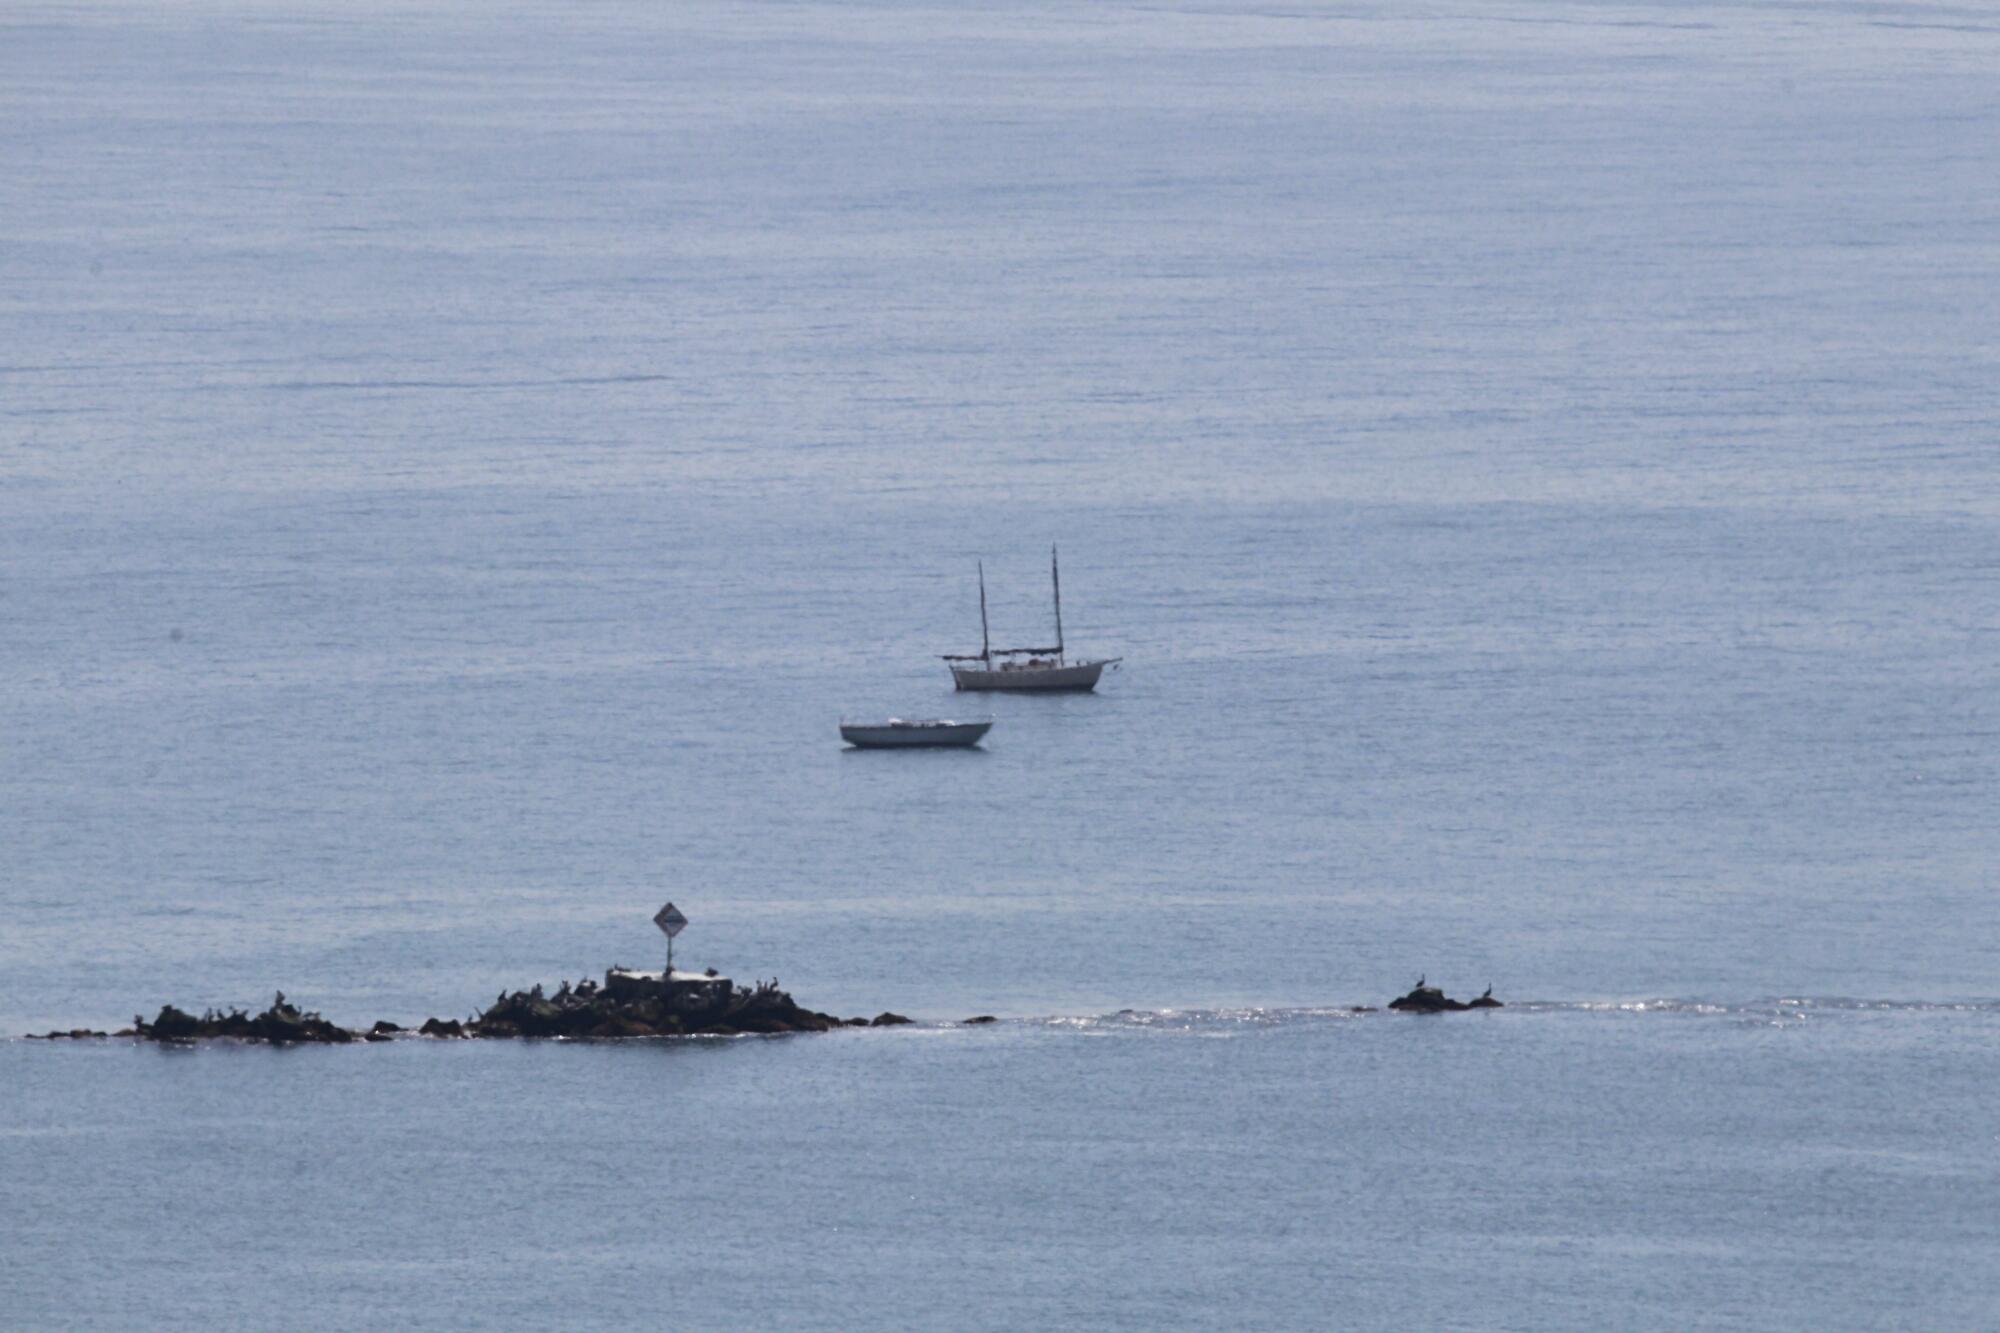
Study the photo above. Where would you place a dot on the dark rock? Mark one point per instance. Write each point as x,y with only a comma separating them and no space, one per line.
640,1007
983,1018
171,1025
1427,1000
617,1026
74,1034
1431,1000
857,1022
701,1007
281,1025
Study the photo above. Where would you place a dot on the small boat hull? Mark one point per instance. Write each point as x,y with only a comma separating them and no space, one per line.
941,735
1073,677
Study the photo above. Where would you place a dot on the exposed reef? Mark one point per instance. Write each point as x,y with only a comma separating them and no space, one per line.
78,1034
642,1005
283,1024
628,1004
1424,999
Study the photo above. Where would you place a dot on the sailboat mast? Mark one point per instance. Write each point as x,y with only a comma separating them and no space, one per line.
985,643
1055,578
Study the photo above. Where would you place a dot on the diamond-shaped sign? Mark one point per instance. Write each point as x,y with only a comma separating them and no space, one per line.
670,920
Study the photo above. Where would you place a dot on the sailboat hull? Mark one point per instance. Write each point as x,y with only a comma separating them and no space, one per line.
1073,677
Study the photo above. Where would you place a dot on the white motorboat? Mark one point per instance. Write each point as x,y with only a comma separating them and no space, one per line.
903,734
1025,669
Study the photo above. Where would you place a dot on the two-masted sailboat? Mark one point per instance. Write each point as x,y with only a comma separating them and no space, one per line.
1024,668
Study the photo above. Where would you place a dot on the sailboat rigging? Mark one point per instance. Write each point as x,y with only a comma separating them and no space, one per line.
1045,668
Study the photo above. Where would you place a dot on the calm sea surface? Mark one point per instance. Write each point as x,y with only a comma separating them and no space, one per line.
1539,461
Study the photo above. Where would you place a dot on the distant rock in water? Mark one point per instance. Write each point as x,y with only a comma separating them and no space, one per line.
642,1004
1431,1000
283,1024
983,1018
1426,1000
628,1004
74,1034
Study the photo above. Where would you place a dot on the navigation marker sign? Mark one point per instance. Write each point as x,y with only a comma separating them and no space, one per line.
671,923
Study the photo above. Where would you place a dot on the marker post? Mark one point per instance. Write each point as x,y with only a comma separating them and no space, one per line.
671,923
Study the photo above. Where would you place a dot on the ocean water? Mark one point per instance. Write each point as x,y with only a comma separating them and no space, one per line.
1536,459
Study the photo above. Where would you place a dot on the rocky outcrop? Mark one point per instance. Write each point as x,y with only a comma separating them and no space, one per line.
704,1007
74,1034
283,1024
1430,1000
588,1010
